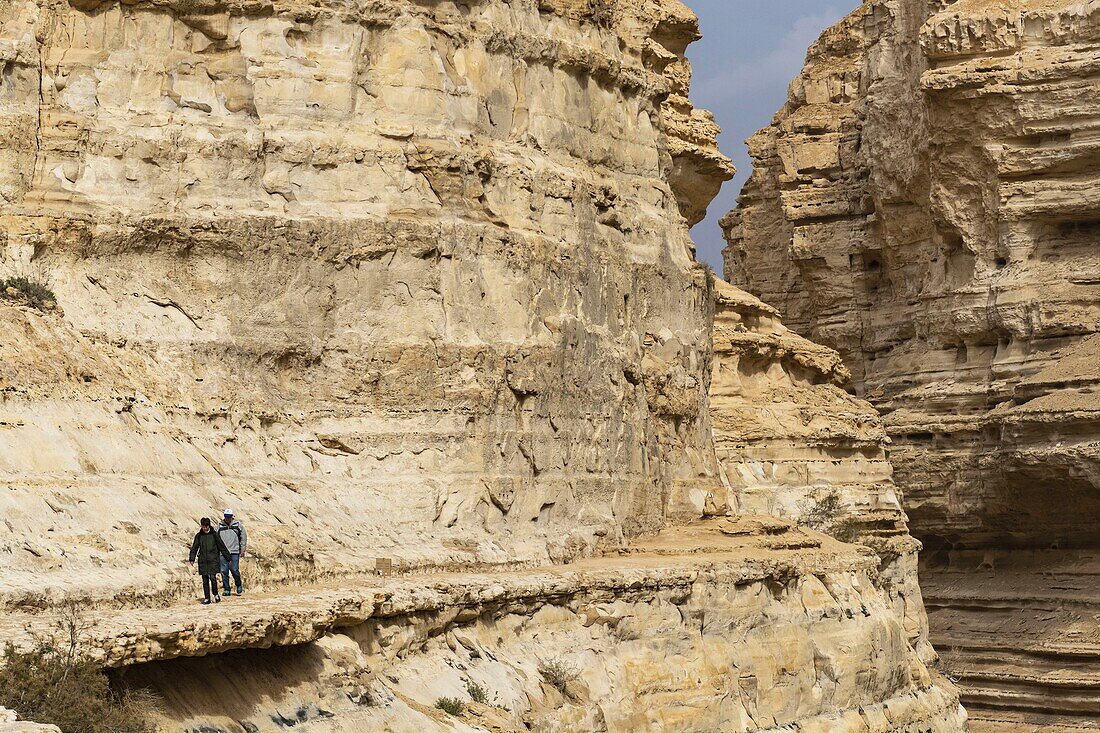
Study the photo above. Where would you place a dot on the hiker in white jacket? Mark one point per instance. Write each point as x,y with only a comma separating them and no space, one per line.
232,534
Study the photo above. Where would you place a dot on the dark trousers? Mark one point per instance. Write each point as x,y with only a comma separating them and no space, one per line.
209,585
232,565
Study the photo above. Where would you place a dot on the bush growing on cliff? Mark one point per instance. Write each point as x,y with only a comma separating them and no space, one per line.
558,673
950,664
477,692
52,684
46,687
825,511
35,294
603,13
450,705
828,514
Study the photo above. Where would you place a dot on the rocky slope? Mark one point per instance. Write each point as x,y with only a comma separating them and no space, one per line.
701,628
924,204
407,285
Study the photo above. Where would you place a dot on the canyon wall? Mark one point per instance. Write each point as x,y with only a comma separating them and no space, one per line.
925,204
409,286
792,444
415,273
699,629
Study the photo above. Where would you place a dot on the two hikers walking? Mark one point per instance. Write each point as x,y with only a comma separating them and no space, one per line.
218,552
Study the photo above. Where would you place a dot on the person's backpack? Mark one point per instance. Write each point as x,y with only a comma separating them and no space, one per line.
236,527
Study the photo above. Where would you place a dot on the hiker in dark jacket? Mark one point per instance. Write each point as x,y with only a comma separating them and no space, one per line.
208,549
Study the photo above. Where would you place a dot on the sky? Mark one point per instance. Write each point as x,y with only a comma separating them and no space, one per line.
750,51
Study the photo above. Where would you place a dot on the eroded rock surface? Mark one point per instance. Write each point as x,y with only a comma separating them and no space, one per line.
10,723
694,630
400,280
792,443
925,204
410,282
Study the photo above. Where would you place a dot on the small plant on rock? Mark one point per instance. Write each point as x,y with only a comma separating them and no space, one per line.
848,530
53,684
603,12
558,673
476,692
949,664
35,294
825,511
450,705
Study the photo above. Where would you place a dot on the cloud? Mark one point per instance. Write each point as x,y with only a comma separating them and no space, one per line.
745,79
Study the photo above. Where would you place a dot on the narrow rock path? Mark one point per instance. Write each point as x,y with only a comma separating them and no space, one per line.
119,637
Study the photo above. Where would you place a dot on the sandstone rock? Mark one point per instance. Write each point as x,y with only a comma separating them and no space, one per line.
778,637
750,525
924,204
341,290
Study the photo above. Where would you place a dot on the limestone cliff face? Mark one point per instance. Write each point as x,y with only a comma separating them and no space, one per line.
428,259
925,204
406,282
696,630
791,443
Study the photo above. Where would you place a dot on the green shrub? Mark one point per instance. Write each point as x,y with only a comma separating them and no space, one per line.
47,685
35,294
477,692
558,673
450,705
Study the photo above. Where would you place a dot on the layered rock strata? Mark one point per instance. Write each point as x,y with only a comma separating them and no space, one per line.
763,631
924,204
408,285
792,443
401,280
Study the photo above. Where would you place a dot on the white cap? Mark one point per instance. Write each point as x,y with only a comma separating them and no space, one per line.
228,512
